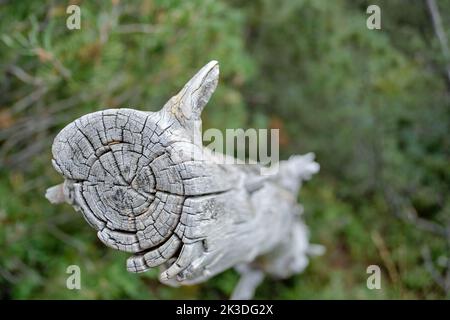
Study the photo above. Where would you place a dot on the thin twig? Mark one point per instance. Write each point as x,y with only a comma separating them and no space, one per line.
440,34
28,100
386,257
429,265
135,28
24,76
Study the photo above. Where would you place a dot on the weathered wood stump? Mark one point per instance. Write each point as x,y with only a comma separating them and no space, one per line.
144,181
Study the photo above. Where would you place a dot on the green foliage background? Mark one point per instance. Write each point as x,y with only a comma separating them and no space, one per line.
373,106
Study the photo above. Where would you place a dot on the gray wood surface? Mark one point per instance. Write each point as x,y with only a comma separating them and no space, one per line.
144,181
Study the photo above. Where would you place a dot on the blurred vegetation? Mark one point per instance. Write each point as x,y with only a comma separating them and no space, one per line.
373,105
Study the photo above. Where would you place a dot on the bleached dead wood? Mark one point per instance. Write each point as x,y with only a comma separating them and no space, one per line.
144,181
